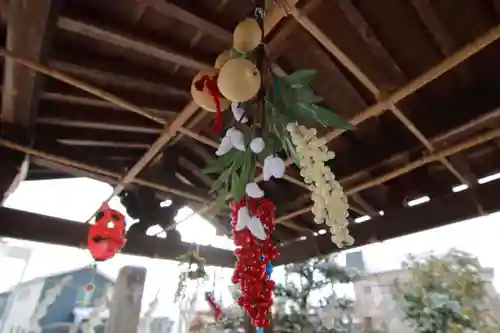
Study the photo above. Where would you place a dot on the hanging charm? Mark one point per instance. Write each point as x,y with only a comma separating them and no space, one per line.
106,235
253,254
206,94
209,297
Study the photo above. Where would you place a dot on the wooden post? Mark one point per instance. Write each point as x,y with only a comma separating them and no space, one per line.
125,307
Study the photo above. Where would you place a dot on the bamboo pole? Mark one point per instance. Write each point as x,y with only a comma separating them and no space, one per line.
96,170
334,50
474,141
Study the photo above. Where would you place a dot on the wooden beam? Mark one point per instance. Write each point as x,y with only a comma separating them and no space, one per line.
132,43
173,11
433,157
395,73
99,103
46,229
34,22
438,212
97,125
334,50
440,33
120,80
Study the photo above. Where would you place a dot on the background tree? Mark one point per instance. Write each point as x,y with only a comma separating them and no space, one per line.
294,308
444,294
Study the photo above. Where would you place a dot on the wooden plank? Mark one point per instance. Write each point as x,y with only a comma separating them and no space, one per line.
175,12
32,21
448,209
26,21
46,229
125,309
132,43
120,80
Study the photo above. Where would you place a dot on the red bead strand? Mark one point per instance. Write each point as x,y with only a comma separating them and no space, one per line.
252,256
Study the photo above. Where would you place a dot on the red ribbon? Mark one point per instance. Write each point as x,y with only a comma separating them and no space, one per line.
213,305
211,84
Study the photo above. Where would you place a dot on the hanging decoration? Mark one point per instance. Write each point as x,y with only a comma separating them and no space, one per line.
268,112
253,223
106,235
206,94
209,297
329,201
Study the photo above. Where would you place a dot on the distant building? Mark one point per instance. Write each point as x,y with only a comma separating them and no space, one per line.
375,306
70,308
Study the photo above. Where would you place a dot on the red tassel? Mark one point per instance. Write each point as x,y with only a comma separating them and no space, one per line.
211,85
214,306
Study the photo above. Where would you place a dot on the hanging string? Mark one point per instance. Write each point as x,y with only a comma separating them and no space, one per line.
259,13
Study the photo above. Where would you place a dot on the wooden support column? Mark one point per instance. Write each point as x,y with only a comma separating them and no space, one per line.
125,308
30,25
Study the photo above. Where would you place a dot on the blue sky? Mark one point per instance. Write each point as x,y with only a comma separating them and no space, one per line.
77,199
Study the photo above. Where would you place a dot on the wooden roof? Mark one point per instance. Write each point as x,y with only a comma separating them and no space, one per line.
419,79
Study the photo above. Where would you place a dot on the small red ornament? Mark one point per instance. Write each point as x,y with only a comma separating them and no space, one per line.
252,256
107,234
213,305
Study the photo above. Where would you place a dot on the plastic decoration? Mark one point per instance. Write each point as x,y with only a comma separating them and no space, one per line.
239,80
246,36
203,84
107,234
252,256
213,305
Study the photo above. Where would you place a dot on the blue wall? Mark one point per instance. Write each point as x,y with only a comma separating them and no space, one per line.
62,309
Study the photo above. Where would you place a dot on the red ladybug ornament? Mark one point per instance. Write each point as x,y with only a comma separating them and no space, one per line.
107,234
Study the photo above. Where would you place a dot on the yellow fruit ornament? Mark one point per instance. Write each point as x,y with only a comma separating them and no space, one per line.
224,57
207,96
239,80
247,36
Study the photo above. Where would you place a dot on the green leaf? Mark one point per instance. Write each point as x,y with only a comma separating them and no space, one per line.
301,77
239,181
221,163
321,115
220,202
306,95
221,181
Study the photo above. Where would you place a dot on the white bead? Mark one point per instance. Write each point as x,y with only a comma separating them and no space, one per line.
254,191
257,145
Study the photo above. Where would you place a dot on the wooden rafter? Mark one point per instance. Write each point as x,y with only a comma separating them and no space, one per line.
370,85
432,157
438,212
21,87
170,10
41,228
135,44
119,80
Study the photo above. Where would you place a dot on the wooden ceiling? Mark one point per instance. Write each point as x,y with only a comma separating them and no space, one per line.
102,91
